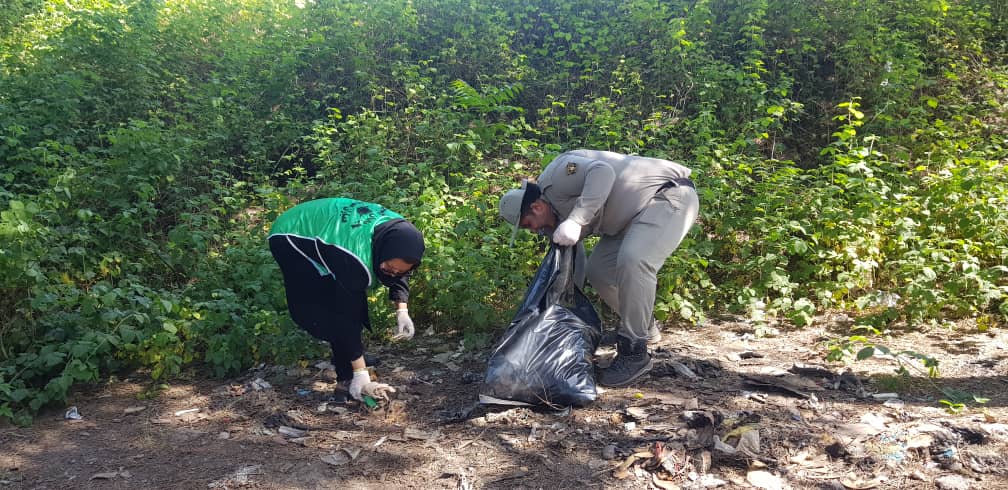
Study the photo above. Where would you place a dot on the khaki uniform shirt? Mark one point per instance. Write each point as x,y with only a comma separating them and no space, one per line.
601,190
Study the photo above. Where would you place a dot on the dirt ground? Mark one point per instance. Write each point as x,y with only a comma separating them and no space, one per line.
723,408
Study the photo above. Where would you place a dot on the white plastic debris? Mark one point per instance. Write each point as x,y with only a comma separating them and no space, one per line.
291,431
72,414
260,384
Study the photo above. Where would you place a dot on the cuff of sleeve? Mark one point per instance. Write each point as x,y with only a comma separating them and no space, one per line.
579,216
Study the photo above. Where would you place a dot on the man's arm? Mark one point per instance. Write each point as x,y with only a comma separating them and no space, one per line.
598,182
577,186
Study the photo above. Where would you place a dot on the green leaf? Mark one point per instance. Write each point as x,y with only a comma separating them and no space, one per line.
865,353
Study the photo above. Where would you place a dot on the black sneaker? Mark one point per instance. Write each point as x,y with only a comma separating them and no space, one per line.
341,393
654,335
632,361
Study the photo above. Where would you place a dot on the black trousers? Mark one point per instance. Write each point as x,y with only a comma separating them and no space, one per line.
333,307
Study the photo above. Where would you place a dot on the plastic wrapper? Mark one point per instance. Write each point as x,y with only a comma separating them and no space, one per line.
545,357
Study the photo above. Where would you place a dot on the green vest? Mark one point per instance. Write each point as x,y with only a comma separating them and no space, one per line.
346,224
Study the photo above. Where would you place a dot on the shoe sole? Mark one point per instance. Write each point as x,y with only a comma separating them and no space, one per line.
644,370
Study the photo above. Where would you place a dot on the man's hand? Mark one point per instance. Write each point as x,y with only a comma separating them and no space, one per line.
360,379
377,390
567,234
404,325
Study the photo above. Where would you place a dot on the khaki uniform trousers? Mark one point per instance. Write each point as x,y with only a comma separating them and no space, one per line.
623,268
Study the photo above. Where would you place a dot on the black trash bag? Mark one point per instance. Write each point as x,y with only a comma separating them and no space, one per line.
546,355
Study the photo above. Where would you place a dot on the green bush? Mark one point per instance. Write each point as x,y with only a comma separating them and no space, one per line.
848,155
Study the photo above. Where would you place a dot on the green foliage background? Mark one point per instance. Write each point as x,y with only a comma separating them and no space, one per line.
850,155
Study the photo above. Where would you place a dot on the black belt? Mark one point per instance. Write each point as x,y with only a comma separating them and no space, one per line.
677,182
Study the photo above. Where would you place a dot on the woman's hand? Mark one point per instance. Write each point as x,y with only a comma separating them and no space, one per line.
404,325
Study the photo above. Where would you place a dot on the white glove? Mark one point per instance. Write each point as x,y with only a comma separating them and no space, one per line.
404,325
377,390
567,234
360,379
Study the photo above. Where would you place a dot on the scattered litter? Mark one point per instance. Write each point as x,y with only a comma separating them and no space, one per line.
857,430
132,410
291,432
636,413
876,421
710,481
510,416
885,396
188,410
112,475
463,483
697,418
951,482
260,384
749,443
341,456
998,431
411,433
461,414
948,454
704,465
668,399
338,410
811,371
683,370
663,484
381,441
72,414
895,404
509,440
858,484
919,441
764,480
289,419
620,472
788,383
722,447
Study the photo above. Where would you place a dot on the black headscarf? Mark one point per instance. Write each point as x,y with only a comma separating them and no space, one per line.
397,239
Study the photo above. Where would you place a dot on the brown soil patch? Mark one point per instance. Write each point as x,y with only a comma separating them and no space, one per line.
817,429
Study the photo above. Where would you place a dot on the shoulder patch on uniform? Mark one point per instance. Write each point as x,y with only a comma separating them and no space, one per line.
571,168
